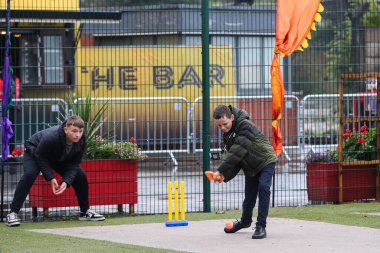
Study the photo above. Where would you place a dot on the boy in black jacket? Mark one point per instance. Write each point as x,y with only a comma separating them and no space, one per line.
61,149
247,149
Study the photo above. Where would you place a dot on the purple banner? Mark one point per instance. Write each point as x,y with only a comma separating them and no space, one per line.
6,126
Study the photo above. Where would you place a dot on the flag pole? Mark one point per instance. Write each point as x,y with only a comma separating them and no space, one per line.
2,191
6,126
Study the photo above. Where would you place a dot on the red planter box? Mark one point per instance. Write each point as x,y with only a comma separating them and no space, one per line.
110,182
359,182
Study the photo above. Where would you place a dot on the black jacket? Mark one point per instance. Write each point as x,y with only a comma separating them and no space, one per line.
247,148
48,146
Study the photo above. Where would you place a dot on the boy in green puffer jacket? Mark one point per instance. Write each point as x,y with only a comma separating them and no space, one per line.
247,149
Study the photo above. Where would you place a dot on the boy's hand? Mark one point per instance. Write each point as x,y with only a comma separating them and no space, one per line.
215,177
218,177
54,185
61,188
57,189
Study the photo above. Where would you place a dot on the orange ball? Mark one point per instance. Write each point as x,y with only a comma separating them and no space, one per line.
229,224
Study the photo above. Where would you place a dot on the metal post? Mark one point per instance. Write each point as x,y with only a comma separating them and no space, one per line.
2,191
340,140
206,104
273,188
378,140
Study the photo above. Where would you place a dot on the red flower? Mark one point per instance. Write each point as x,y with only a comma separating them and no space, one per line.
116,150
361,140
346,135
363,128
133,140
347,131
17,152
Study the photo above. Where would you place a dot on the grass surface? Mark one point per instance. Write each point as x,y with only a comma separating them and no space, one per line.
20,239
356,214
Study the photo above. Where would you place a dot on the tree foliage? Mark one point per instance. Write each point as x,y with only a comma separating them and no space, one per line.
334,47
371,18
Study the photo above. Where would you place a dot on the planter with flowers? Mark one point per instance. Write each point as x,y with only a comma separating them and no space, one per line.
15,161
359,145
322,177
111,168
358,181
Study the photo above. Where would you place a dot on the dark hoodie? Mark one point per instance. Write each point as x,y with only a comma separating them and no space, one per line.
247,148
48,147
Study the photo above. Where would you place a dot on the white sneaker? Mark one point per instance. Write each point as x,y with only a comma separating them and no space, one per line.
13,220
91,215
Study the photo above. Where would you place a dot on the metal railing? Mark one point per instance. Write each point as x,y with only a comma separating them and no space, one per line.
259,108
165,122
153,121
156,121
30,115
319,116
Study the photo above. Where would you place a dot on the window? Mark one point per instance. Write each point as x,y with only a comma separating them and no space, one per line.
45,57
250,60
255,57
28,58
53,60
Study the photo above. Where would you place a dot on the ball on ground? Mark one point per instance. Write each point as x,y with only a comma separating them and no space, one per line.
229,224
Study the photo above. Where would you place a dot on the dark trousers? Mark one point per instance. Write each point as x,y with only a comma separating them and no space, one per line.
258,185
31,172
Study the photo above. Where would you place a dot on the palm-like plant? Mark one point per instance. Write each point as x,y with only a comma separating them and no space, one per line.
93,119
97,148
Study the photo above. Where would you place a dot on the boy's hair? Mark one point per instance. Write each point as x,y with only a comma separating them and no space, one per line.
222,110
76,121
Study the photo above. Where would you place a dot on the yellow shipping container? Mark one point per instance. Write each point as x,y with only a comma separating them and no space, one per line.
53,5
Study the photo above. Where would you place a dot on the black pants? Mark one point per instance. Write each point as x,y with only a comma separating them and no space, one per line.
258,185
31,172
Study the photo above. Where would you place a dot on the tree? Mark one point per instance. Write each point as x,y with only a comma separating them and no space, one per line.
335,47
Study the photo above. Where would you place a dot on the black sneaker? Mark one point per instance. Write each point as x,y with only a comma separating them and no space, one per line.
91,216
237,226
13,220
259,233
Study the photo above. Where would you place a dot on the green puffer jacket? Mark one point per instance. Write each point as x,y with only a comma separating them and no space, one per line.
247,148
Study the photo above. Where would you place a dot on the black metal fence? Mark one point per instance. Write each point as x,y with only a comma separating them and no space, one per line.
143,61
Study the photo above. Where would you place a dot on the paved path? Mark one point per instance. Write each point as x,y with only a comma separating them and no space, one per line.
284,235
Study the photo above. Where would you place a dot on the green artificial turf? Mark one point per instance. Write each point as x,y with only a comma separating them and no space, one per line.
354,214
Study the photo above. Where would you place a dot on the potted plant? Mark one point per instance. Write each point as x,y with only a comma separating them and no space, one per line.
111,168
100,149
359,145
15,160
359,181
322,176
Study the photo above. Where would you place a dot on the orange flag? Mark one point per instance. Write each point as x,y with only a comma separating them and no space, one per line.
295,19
277,102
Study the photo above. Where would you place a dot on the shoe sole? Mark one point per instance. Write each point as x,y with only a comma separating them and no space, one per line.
231,231
259,237
93,219
15,224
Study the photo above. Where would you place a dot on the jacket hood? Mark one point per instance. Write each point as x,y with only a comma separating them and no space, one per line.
61,132
239,115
